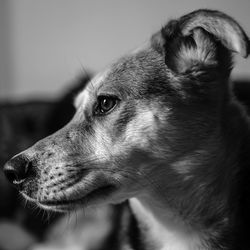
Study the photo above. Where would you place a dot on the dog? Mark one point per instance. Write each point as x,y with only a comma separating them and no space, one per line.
160,135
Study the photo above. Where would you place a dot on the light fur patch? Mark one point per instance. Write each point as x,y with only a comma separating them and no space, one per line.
183,166
162,236
141,128
82,99
101,144
145,125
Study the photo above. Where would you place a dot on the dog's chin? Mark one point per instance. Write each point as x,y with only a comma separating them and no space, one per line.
98,195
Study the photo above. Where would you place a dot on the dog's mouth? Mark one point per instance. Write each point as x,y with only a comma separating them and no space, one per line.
96,195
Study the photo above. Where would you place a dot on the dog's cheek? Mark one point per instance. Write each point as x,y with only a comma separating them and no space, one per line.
101,143
141,130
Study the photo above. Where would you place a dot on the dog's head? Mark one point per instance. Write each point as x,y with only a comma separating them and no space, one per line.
137,121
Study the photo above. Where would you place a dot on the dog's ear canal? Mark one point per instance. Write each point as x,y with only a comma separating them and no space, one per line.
201,40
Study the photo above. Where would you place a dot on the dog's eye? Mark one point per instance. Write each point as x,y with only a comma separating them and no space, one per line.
105,104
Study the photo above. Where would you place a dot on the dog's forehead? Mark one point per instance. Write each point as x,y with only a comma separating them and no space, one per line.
130,74
135,70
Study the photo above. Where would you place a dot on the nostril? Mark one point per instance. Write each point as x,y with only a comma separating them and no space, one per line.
11,175
17,169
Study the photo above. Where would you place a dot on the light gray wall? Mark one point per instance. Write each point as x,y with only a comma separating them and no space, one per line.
51,41
5,74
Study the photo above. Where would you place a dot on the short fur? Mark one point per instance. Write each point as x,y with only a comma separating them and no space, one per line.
176,145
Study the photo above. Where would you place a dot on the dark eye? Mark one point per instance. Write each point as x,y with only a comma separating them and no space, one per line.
105,104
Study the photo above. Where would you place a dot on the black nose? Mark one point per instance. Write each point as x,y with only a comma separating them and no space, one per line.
17,169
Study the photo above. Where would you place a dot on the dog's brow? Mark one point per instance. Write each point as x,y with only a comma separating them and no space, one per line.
98,79
92,86
81,99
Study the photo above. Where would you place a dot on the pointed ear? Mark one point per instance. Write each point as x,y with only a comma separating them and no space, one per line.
201,40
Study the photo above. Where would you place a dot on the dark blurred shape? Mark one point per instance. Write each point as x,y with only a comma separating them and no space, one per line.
241,89
63,110
21,125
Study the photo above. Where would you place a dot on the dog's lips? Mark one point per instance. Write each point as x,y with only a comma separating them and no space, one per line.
96,194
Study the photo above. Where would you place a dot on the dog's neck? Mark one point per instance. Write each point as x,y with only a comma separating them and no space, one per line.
206,213
163,230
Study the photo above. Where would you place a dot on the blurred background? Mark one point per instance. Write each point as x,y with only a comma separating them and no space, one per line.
48,51
45,43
